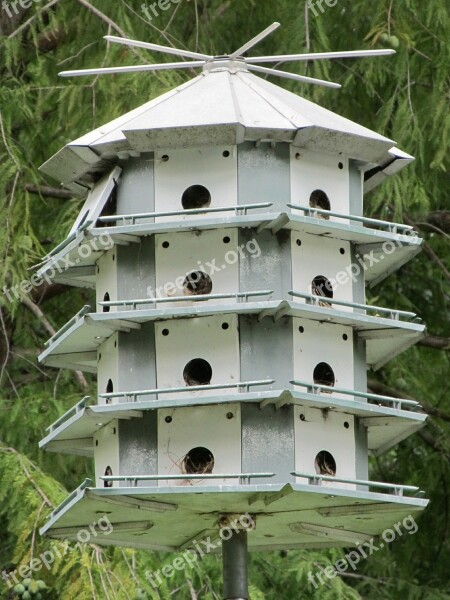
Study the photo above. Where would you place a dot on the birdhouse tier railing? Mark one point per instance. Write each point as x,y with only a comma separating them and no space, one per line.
398,490
385,225
312,299
135,479
80,314
242,387
242,209
277,397
134,226
315,388
79,490
367,308
238,296
237,209
70,413
73,236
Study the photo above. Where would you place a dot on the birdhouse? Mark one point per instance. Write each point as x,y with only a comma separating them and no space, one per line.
224,237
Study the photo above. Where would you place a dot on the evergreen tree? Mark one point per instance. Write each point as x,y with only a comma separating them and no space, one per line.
405,97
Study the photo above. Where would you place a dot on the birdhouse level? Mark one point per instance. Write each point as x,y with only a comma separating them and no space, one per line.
226,244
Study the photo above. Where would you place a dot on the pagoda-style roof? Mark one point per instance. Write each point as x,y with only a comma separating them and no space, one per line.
224,105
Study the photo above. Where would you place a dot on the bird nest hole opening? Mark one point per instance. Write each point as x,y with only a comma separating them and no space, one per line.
324,375
109,390
197,372
108,473
109,210
106,298
321,286
196,196
198,461
325,463
197,283
319,199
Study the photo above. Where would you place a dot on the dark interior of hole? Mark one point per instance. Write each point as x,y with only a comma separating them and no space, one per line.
324,374
197,372
321,286
198,460
106,298
108,473
197,283
325,463
109,387
319,199
109,209
196,196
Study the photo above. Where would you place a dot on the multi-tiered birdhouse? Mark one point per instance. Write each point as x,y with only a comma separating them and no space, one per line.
223,235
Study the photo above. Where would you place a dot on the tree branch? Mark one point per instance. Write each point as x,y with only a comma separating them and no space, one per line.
440,219
381,581
432,442
435,258
103,17
34,308
31,19
429,251
436,342
380,388
47,291
48,192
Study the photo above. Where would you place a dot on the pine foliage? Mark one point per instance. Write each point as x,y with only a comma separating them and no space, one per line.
405,97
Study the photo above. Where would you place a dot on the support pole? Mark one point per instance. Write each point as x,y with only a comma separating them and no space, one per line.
235,567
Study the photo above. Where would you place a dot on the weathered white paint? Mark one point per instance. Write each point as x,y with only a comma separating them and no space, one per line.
203,251
197,338
325,431
106,451
204,166
106,279
207,427
108,366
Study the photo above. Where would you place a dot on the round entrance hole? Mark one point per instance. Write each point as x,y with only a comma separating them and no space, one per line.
198,461
319,199
324,375
196,196
106,298
108,473
109,390
197,283
325,464
197,372
321,286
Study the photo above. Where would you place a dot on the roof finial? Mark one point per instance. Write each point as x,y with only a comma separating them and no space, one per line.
200,60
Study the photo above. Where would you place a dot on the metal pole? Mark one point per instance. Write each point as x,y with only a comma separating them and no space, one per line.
235,567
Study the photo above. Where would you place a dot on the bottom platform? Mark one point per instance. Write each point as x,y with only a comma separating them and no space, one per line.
286,516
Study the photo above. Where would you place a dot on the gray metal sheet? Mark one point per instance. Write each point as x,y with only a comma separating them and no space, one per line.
365,240
234,107
194,514
138,446
385,426
385,338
